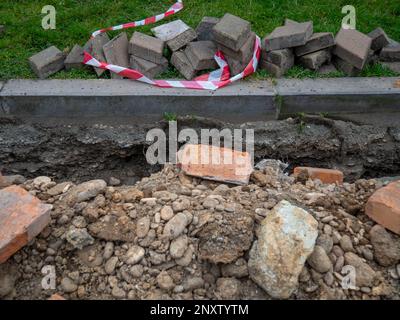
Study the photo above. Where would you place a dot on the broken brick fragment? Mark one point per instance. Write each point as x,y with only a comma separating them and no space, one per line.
22,217
325,175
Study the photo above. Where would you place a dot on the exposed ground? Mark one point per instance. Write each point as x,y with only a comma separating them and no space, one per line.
76,20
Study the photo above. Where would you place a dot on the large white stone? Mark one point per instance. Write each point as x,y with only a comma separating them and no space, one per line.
285,240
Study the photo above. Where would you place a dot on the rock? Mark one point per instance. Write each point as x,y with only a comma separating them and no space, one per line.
346,244
116,52
176,34
231,31
166,213
22,218
118,293
47,62
59,189
237,269
131,194
8,276
6,181
289,36
199,161
134,255
325,242
186,259
143,226
384,207
56,297
108,250
204,28
91,256
228,289
319,260
68,285
109,266
180,204
112,228
318,41
386,247
201,55
353,47
74,59
379,39
164,281
365,275
324,175
114,181
178,246
285,240
193,283
136,271
85,191
146,47
175,226
181,62
79,238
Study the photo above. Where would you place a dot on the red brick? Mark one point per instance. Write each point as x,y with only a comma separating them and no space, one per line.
233,166
325,175
22,217
56,296
384,207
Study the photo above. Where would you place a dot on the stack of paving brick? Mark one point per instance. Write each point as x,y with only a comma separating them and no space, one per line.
147,54
385,49
233,36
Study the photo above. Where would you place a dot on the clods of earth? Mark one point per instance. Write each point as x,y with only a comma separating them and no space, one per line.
172,236
191,51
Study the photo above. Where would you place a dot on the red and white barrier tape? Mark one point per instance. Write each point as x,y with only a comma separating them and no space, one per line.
212,81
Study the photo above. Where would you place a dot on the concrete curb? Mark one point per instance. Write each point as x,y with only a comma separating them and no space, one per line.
124,101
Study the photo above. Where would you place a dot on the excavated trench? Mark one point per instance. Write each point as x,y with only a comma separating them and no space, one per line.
72,152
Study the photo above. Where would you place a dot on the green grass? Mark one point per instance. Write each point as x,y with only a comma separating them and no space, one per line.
76,19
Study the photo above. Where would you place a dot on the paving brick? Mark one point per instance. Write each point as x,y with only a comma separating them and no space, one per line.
372,57
176,34
318,41
345,67
283,58
390,53
204,28
146,47
289,36
47,62
95,48
384,207
201,55
22,217
273,69
379,39
180,61
231,31
327,69
315,60
75,58
353,47
244,54
324,175
148,68
215,163
116,52
394,66
235,66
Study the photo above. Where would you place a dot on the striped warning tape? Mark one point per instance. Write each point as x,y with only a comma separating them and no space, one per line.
212,81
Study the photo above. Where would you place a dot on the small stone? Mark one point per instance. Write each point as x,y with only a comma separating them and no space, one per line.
325,242
167,213
237,269
108,250
231,31
204,28
114,181
386,247
327,69
180,204
85,191
134,255
164,281
193,283
228,289
319,260
79,238
143,226
174,227
178,246
136,271
118,293
47,62
110,265
68,285
346,244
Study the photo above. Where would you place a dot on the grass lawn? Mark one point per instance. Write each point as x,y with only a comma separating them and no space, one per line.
76,19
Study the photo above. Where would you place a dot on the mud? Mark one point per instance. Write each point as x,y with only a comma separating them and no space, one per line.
82,152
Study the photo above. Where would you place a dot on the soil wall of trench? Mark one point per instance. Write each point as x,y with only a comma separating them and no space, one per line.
77,152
